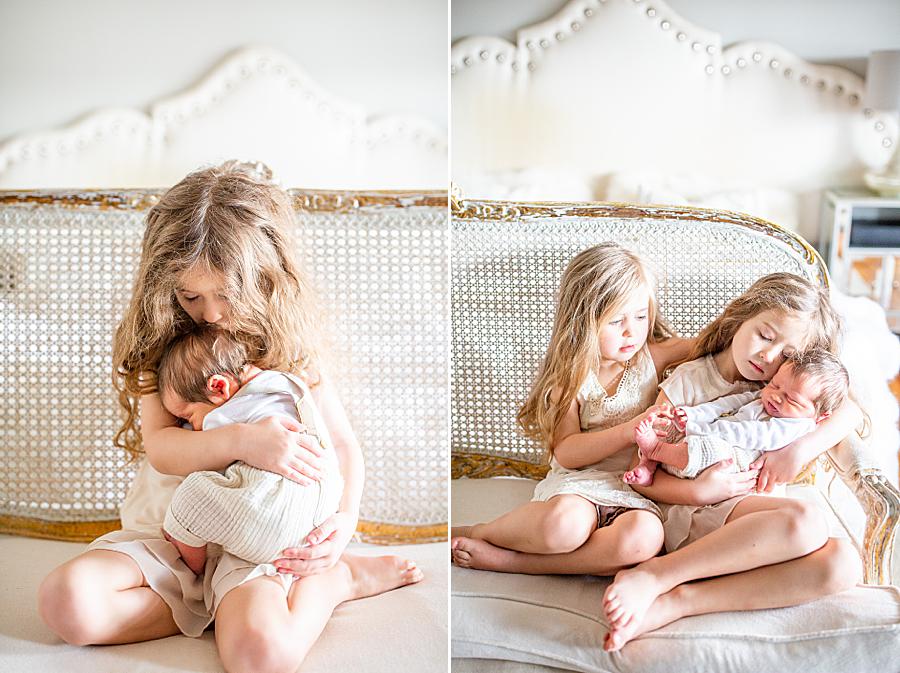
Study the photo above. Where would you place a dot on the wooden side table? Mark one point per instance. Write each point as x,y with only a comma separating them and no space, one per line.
859,237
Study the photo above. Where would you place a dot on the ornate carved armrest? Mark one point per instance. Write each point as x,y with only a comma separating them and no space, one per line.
880,499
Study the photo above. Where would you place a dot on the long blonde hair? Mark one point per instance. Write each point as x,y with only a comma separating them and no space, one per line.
233,220
595,286
786,293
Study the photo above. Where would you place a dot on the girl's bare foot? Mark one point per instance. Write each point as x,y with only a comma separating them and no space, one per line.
467,552
664,610
370,575
630,595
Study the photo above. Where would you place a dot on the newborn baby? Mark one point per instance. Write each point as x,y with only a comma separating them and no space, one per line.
803,392
204,379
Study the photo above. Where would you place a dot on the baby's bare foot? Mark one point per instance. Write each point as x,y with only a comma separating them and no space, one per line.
629,596
646,439
193,557
374,575
467,552
641,475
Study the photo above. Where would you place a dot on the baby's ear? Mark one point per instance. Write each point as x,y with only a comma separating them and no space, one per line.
822,417
219,388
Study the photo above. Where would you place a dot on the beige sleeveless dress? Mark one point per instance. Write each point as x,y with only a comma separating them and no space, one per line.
602,483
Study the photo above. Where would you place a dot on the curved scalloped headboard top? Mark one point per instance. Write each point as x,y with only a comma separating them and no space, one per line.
257,104
608,86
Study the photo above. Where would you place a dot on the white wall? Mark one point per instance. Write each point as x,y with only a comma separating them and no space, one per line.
837,32
61,59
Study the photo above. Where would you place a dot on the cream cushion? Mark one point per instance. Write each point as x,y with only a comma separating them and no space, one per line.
557,621
402,631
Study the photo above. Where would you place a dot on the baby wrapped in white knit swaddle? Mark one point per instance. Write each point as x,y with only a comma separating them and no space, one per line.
807,387
251,513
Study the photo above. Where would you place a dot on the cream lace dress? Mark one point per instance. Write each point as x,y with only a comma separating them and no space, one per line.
602,483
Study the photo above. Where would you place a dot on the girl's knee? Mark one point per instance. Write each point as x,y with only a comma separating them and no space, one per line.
841,566
567,523
260,647
639,538
65,601
806,524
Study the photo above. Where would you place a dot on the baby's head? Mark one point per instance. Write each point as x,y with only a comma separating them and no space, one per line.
809,384
199,371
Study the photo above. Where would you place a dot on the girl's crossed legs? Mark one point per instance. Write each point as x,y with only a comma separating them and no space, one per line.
771,552
101,598
559,535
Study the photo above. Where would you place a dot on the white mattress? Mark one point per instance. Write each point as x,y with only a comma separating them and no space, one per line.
403,631
557,622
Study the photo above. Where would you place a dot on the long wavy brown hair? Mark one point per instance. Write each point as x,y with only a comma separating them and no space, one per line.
595,286
231,220
786,293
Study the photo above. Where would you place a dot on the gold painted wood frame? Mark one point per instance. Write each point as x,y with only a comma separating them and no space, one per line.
371,532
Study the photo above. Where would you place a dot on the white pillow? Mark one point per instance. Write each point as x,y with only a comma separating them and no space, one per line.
775,205
527,184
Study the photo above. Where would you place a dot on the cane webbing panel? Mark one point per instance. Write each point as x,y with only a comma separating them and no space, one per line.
507,260
67,264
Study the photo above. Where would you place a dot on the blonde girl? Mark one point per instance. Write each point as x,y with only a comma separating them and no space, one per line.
599,374
215,250
762,552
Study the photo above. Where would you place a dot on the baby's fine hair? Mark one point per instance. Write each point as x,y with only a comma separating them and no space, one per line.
826,368
191,358
595,286
231,220
783,292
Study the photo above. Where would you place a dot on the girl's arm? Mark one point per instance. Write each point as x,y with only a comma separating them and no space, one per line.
783,466
574,449
346,445
668,352
715,484
172,449
273,444
328,541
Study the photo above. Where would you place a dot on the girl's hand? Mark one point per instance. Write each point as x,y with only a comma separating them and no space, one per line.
717,483
326,544
776,467
657,411
679,415
278,445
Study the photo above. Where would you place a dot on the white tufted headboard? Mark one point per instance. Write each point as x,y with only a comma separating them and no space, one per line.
612,86
256,104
